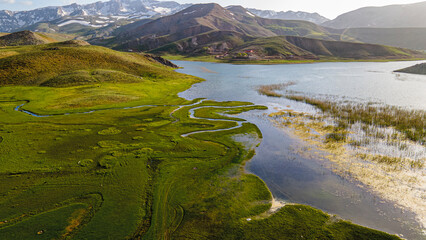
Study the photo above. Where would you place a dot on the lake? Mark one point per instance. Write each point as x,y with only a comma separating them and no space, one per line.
291,175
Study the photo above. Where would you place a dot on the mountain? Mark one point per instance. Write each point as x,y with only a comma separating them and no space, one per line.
235,46
413,38
416,69
235,32
24,38
74,63
202,19
392,16
108,12
290,15
350,50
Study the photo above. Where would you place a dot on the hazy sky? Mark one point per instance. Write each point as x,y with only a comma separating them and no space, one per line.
327,8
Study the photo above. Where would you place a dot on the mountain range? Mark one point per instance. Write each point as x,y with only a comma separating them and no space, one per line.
236,33
150,25
212,23
108,12
103,14
290,15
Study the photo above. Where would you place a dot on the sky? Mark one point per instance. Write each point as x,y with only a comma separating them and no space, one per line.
327,8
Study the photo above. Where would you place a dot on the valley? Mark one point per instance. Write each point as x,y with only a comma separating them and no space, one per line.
146,119
125,159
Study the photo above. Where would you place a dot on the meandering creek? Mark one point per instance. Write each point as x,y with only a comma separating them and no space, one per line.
282,160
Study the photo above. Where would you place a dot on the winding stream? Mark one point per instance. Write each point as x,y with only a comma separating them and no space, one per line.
239,123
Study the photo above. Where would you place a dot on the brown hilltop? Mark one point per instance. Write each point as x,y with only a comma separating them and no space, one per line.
24,38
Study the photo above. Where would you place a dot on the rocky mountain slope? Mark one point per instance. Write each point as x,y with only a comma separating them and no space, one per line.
290,15
392,16
110,11
202,19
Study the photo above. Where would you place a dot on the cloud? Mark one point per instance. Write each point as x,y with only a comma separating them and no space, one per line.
28,3
7,1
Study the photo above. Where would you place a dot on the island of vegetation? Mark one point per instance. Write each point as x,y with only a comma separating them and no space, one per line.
96,144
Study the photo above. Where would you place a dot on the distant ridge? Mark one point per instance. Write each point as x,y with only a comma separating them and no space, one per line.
290,15
392,16
413,38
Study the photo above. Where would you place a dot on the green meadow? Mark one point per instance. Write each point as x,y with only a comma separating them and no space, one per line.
127,173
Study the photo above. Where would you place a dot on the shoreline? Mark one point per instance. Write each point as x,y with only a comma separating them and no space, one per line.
398,185
211,59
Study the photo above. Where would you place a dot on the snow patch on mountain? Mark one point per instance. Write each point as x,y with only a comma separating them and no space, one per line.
124,9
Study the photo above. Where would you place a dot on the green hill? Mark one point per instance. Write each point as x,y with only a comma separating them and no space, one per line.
25,38
391,16
341,49
412,38
235,46
214,42
75,63
416,69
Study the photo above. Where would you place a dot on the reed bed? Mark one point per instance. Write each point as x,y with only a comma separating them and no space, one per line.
412,123
271,90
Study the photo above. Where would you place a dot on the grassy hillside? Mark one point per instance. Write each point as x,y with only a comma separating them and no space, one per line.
207,43
342,49
275,46
412,38
25,38
416,69
391,16
75,63
239,48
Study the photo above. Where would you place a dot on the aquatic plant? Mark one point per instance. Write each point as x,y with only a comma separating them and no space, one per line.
270,90
412,123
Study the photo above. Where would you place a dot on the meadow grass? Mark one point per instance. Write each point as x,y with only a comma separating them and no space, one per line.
270,90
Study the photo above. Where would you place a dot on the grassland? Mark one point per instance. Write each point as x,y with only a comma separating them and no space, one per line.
127,173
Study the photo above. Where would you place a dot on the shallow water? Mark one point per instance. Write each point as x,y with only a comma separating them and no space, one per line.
291,176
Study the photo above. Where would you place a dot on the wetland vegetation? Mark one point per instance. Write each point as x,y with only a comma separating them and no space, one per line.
126,171
378,145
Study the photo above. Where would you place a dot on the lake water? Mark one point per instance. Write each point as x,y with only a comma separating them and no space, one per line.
296,178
